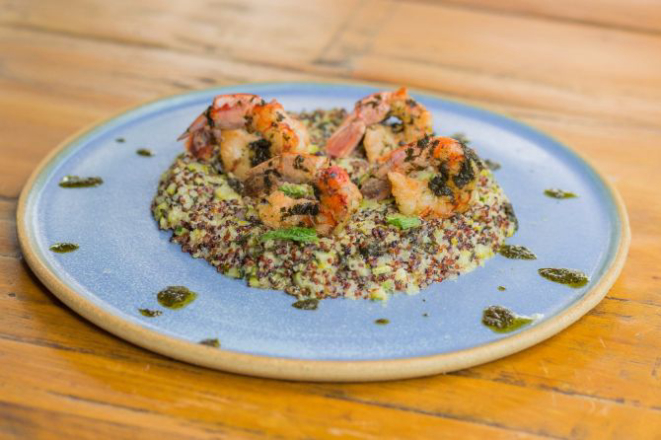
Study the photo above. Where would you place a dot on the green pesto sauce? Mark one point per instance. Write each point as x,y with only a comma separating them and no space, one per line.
144,152
213,342
516,252
150,313
306,304
80,182
175,297
559,194
382,321
63,248
570,277
492,165
502,288
503,320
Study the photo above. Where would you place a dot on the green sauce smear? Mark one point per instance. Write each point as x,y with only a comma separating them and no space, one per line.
515,252
120,140
144,152
150,313
212,342
306,304
382,321
503,320
559,194
63,248
80,182
175,297
502,288
571,277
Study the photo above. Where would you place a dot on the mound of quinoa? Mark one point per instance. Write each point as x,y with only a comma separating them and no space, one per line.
369,258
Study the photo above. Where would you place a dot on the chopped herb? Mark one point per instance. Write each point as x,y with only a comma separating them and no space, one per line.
62,248
120,140
80,182
559,194
403,222
214,342
144,152
295,233
179,230
298,163
502,288
438,185
311,208
515,252
570,277
382,321
306,304
150,313
175,297
261,151
295,191
492,165
503,320
466,173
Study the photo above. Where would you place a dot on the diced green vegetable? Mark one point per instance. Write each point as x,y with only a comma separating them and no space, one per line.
295,191
403,222
295,233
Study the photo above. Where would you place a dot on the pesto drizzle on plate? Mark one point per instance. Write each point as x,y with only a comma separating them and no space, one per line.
212,342
306,304
63,248
503,320
80,182
571,277
150,313
516,252
175,297
559,194
144,152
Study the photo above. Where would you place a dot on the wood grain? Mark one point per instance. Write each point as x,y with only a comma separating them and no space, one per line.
587,72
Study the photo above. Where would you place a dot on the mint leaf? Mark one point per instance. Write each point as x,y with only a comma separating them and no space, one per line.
295,233
403,222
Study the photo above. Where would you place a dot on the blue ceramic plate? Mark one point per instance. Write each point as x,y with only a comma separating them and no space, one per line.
124,260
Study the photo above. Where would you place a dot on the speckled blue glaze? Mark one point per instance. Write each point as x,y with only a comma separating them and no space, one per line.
124,260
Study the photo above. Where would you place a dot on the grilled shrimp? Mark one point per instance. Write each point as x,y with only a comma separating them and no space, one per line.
233,123
434,176
326,197
375,108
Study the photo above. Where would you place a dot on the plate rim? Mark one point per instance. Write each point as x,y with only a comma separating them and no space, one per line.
318,370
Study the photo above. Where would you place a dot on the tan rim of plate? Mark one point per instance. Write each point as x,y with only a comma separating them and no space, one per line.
311,370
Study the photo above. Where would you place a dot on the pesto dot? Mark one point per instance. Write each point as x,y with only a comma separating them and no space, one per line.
175,297
63,248
382,321
306,304
212,342
150,313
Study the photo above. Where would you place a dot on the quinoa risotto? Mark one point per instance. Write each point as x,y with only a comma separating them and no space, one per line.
378,252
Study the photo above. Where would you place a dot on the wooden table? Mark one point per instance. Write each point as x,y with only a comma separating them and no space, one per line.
586,71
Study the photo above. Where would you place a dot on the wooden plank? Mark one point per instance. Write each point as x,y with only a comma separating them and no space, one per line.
629,16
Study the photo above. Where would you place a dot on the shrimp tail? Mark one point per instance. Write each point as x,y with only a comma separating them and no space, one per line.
346,138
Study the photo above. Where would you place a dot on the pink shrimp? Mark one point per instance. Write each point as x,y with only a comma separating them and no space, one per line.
375,108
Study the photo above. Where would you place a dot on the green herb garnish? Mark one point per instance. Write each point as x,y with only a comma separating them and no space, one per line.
559,194
295,191
403,222
80,182
144,152
62,248
295,233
